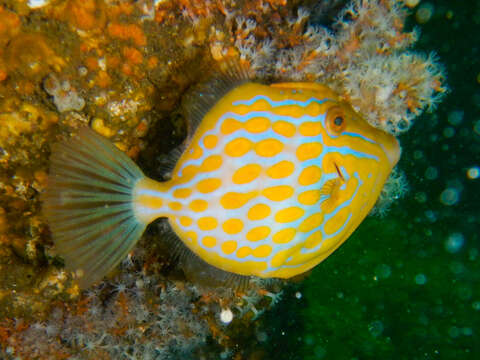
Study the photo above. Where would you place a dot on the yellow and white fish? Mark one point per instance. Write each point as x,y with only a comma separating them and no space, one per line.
274,179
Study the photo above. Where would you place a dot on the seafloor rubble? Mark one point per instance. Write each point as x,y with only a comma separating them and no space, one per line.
122,67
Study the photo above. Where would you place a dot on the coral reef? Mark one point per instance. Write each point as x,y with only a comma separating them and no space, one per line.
135,317
122,67
395,188
137,314
363,56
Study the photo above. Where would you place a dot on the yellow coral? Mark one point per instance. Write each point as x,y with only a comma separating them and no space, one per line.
99,126
30,55
20,119
9,25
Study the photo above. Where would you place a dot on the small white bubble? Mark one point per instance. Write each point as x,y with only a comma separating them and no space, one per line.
420,279
35,4
431,216
473,172
226,316
449,196
424,13
421,197
448,132
418,154
454,243
309,339
455,117
383,271
298,295
102,63
319,352
262,336
82,71
376,328
431,173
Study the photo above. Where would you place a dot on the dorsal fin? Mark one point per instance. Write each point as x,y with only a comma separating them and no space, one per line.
200,98
196,104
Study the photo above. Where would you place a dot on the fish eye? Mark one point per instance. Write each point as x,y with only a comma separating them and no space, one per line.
336,121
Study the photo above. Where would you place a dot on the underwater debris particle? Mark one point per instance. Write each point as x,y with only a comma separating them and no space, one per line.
454,242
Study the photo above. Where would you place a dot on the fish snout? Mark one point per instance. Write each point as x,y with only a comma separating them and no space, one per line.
392,150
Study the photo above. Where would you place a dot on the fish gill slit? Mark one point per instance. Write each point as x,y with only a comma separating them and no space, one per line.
338,171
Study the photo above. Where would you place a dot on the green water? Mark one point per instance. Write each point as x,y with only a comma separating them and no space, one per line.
407,286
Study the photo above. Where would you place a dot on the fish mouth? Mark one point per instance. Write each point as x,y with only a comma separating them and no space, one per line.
338,171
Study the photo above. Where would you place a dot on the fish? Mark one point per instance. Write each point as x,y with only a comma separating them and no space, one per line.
274,178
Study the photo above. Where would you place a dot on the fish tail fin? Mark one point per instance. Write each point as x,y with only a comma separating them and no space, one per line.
88,204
